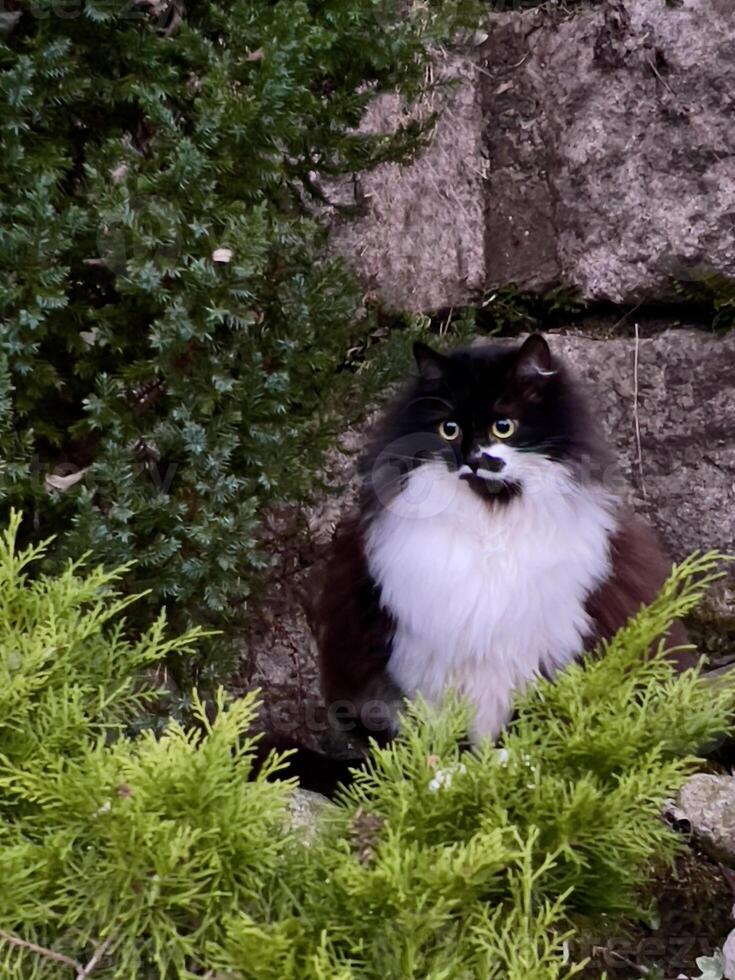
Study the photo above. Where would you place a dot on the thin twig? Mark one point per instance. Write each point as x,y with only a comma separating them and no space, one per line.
635,415
625,316
48,954
482,71
519,63
96,957
82,972
661,79
642,971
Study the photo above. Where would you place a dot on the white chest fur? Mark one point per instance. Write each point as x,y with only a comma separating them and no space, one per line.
485,596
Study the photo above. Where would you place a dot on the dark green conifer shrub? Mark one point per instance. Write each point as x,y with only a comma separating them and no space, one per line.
144,858
171,322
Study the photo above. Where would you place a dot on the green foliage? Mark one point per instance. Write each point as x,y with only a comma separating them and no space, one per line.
145,842
163,858
511,310
384,357
66,673
172,320
716,293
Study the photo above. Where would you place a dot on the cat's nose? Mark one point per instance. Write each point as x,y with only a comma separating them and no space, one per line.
484,461
493,463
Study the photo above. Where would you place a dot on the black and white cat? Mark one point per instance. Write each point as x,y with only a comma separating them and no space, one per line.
486,550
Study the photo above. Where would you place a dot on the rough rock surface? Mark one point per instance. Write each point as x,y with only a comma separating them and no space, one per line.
706,803
593,149
421,245
684,483
306,810
279,654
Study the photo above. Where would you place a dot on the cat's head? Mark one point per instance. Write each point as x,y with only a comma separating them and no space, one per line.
504,421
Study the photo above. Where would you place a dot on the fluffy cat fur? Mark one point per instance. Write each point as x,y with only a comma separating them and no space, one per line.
486,549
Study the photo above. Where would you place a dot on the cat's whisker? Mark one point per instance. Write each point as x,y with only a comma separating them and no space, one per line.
389,484
434,458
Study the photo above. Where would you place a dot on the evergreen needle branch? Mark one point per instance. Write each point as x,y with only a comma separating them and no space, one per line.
247,312
48,954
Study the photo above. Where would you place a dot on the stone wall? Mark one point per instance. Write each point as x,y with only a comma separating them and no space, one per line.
594,149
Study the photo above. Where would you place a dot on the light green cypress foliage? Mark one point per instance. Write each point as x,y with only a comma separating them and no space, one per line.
163,858
146,842
448,864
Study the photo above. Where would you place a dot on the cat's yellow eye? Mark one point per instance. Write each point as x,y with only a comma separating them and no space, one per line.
449,431
503,428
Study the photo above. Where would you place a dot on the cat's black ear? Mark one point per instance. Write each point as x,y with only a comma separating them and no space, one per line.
533,365
431,364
